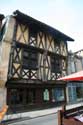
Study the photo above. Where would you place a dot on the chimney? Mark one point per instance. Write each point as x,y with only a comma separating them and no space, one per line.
1,18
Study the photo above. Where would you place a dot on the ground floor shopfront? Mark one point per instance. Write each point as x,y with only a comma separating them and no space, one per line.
32,96
74,91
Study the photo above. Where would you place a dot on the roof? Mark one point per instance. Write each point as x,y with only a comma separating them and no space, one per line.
25,19
78,76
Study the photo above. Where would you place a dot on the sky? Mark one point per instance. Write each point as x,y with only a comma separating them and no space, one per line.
64,15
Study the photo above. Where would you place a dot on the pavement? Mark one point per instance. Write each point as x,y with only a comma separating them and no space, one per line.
38,113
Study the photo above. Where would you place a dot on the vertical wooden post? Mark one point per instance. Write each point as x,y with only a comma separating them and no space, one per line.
59,118
60,115
63,108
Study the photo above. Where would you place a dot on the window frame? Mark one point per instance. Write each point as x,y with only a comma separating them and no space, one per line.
55,64
58,94
31,61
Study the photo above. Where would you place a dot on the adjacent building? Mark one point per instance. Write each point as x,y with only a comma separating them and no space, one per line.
75,88
33,55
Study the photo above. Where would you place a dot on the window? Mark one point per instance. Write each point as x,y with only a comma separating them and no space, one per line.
79,92
32,33
73,69
57,94
32,36
55,64
72,93
30,59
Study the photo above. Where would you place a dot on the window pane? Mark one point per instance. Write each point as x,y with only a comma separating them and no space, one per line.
30,59
52,63
25,54
79,91
55,64
57,94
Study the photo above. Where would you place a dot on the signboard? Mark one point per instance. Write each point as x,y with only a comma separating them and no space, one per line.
46,95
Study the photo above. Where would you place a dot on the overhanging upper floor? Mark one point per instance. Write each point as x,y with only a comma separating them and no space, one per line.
25,19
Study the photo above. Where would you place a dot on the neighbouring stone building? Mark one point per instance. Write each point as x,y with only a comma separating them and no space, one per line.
75,88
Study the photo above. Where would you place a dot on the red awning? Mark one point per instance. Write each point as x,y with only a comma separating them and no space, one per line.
78,76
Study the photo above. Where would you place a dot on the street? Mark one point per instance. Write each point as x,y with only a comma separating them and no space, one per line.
44,120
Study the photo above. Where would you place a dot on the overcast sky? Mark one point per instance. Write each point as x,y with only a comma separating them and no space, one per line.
64,15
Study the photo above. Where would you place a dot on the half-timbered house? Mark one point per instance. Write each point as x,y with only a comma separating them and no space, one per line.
34,56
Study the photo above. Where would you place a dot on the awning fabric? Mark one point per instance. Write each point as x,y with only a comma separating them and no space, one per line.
78,76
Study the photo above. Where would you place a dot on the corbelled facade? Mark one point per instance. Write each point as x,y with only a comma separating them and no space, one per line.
34,56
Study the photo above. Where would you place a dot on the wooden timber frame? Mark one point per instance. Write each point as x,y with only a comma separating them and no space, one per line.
37,56
67,116
47,44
